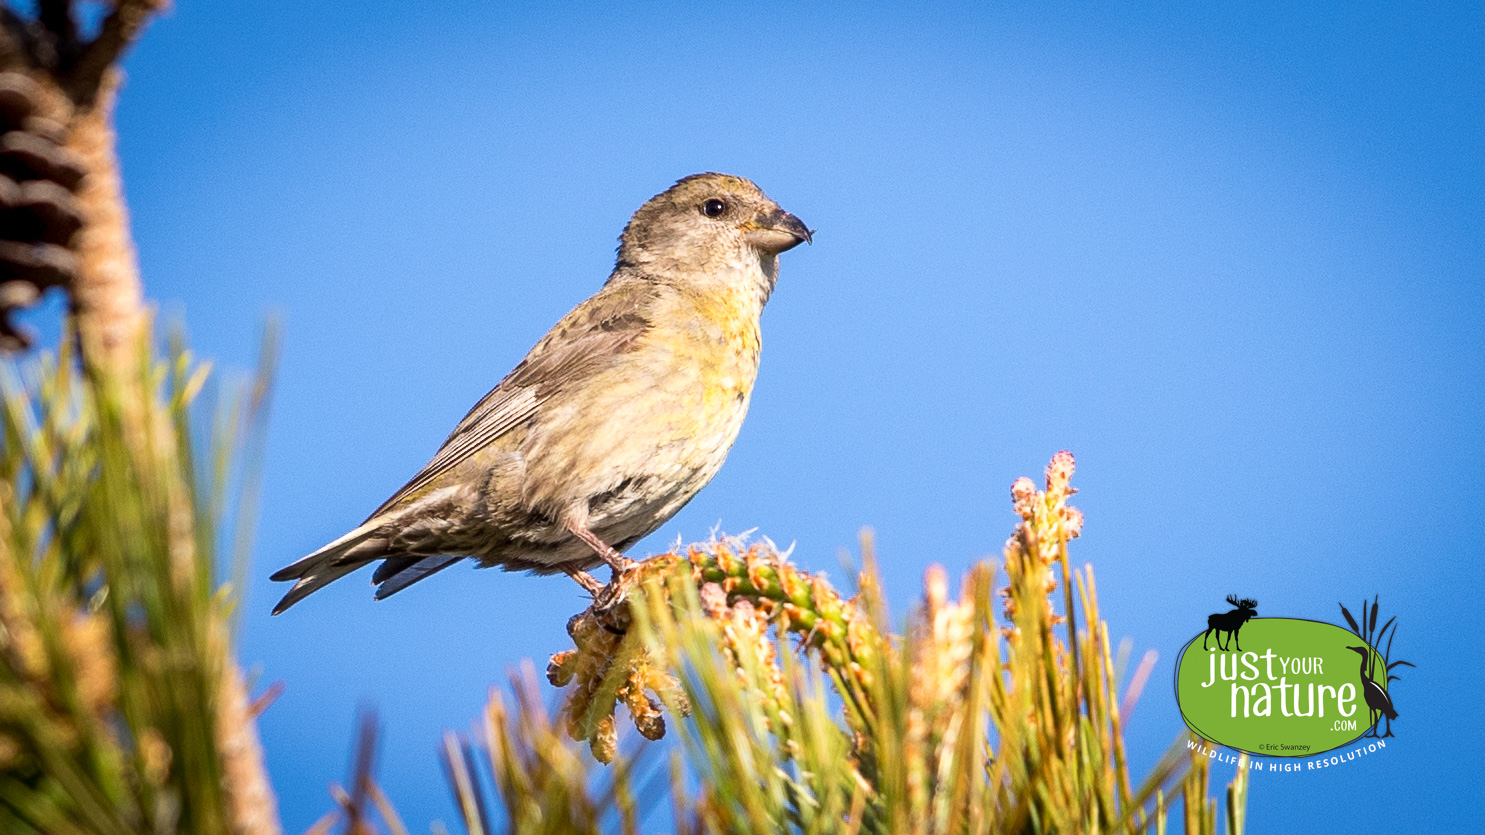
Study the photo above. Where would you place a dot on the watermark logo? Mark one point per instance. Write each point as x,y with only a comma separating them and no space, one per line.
1288,687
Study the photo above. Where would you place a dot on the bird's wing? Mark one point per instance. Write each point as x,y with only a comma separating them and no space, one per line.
587,340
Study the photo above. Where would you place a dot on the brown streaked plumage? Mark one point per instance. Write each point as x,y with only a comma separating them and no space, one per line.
617,417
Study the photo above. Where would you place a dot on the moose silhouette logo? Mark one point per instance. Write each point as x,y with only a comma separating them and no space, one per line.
1298,689
1230,622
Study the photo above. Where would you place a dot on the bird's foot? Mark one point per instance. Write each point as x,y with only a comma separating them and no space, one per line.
606,552
607,596
611,557
618,587
618,562
592,584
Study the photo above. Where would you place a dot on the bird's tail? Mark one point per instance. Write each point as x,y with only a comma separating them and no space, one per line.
330,563
397,573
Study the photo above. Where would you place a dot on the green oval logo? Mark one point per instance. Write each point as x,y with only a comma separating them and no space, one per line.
1295,687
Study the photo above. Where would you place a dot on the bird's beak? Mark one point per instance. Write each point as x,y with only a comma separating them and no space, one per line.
776,231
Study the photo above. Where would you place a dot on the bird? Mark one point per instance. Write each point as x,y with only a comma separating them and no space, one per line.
1376,697
610,424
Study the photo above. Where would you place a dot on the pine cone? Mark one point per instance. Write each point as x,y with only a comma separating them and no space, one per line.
39,212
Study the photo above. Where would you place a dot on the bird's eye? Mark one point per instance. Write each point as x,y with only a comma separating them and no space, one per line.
713,208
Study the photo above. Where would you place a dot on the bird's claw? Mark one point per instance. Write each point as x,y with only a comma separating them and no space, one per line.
618,587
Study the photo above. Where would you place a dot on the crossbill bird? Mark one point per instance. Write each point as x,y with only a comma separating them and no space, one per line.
615,420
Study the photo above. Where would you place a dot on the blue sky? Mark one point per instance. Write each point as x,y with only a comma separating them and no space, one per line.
1229,254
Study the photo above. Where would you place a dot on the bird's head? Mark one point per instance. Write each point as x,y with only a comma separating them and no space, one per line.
1362,651
707,223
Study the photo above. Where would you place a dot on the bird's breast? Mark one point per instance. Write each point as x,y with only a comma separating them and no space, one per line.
664,416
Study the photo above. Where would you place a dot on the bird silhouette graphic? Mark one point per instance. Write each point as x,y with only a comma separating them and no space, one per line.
1378,700
1376,697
